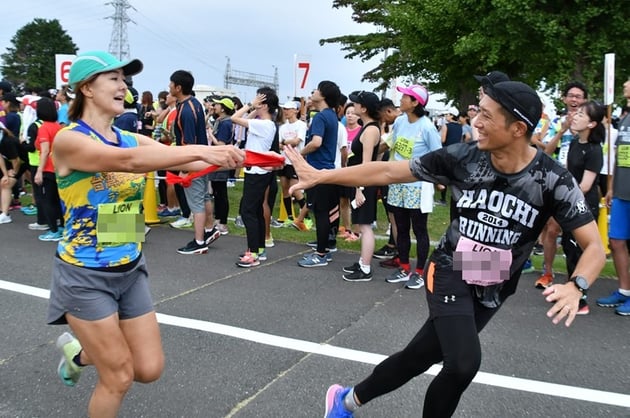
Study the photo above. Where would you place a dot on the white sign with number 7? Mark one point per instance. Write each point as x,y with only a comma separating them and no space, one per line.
302,70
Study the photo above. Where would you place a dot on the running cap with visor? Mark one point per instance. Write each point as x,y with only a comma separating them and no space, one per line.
365,98
91,63
518,99
416,91
226,101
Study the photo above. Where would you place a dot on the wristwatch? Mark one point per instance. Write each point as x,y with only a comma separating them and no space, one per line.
581,283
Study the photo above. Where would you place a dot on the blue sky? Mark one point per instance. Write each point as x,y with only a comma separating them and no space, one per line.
198,35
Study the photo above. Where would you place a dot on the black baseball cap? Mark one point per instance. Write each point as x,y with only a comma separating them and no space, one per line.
519,99
366,98
493,77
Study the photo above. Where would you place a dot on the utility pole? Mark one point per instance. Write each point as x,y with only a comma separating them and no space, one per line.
119,43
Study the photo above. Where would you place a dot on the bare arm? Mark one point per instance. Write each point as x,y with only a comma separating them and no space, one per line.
588,178
589,266
239,116
73,152
443,132
551,146
374,173
3,167
44,154
316,142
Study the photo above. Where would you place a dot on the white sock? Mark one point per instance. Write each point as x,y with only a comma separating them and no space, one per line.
624,292
365,268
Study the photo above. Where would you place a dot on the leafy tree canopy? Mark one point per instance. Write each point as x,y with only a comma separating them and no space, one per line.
30,61
544,43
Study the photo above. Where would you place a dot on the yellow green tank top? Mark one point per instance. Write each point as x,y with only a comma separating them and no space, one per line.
86,196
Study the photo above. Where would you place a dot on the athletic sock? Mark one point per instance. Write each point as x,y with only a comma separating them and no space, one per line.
200,242
406,266
624,292
77,359
349,402
365,268
287,204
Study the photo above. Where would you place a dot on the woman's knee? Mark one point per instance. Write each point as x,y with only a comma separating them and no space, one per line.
149,370
117,376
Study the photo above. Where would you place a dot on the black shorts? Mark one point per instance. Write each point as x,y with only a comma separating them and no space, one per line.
288,171
366,213
448,294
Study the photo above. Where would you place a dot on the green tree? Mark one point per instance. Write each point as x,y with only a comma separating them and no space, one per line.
30,61
543,43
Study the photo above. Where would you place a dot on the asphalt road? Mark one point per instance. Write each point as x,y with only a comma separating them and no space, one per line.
267,342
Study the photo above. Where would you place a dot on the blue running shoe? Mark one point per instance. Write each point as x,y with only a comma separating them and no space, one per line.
314,260
528,267
624,309
334,402
613,300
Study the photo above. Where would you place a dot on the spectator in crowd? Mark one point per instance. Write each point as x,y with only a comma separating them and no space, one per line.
64,97
346,194
573,96
388,252
128,120
45,174
320,151
471,112
261,130
5,87
146,114
12,169
190,128
584,162
292,132
451,133
364,148
222,133
413,135
618,200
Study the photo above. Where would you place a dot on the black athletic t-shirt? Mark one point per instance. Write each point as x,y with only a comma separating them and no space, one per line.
503,211
582,157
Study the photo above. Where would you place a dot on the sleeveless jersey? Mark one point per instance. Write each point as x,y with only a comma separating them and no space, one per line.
81,193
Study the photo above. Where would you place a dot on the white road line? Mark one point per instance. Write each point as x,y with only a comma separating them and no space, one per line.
514,383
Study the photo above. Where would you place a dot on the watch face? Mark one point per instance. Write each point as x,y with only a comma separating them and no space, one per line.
581,282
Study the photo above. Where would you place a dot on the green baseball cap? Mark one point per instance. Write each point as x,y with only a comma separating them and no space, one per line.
90,63
226,101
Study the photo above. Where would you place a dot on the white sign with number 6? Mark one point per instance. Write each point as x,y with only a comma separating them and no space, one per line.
62,68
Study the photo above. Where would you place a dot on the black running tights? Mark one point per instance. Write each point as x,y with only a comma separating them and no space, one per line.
451,339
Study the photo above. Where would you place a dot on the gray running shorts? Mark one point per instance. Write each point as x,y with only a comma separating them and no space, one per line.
197,194
91,295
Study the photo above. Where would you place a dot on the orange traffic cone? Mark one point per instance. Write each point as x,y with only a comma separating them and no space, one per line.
150,201
602,225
